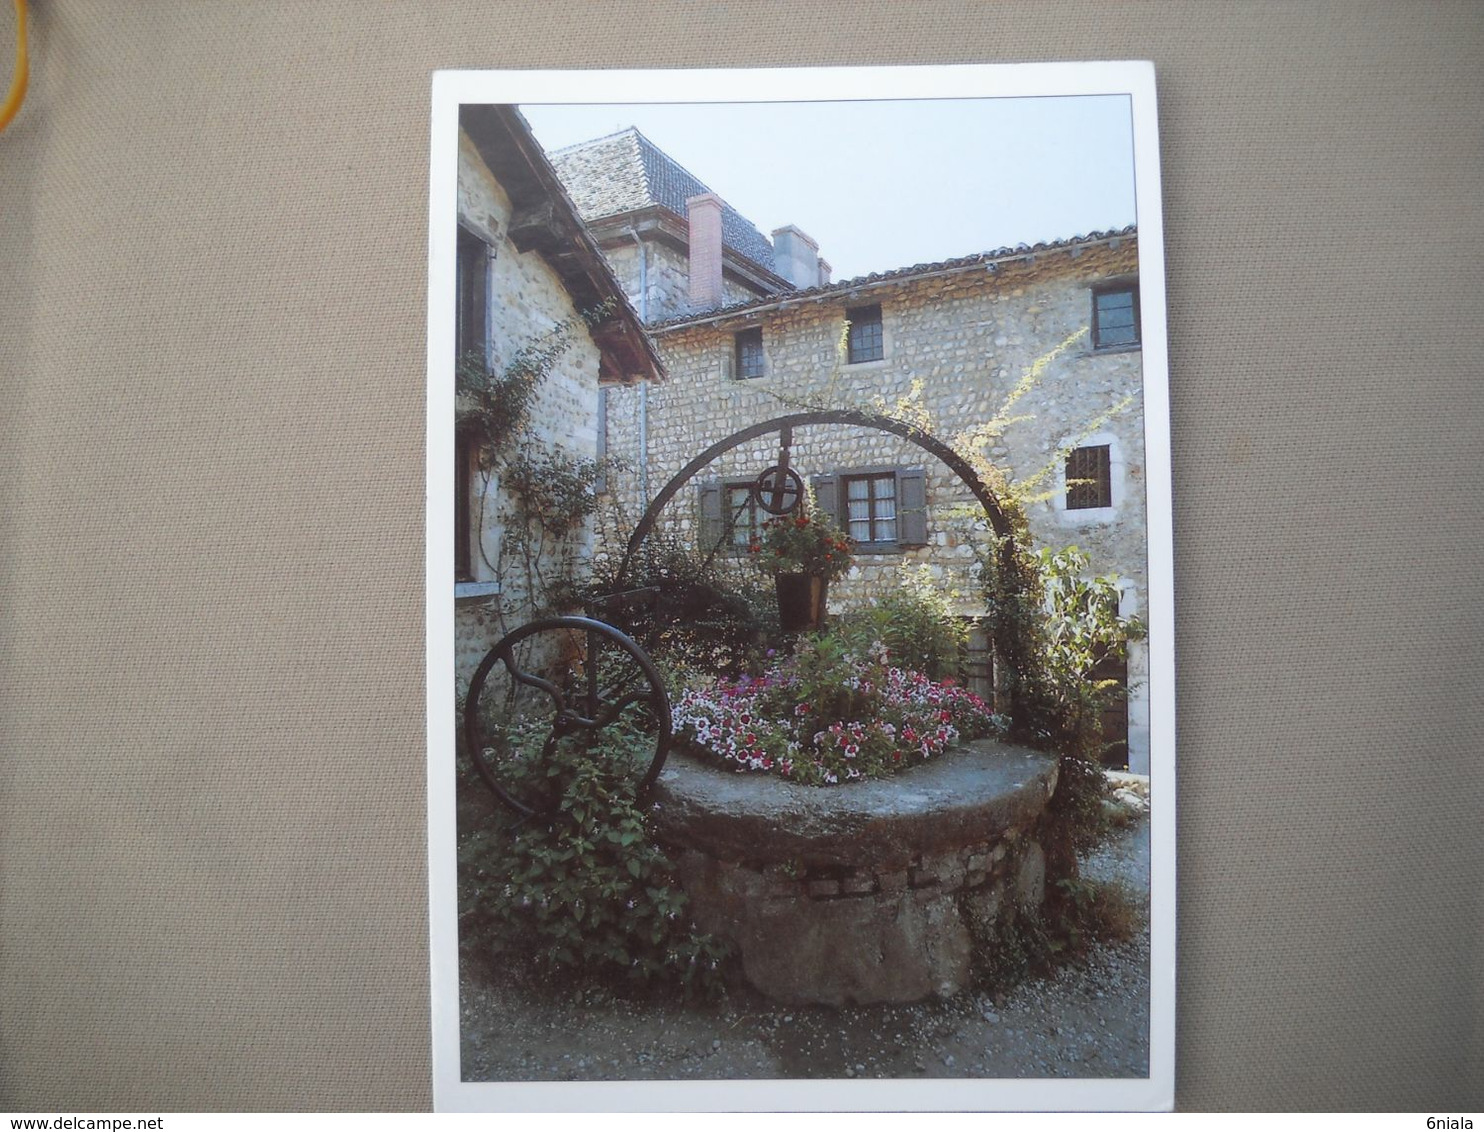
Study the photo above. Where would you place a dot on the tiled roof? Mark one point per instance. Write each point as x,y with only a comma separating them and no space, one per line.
902,274
626,171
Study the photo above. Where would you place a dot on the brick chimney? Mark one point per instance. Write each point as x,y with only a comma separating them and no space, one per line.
704,216
796,258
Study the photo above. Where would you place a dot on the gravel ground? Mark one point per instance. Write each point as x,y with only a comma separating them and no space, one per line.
1087,1021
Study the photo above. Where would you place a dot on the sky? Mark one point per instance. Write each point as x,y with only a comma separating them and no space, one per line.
892,183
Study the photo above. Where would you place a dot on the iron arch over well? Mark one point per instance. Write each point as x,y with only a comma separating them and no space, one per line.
925,440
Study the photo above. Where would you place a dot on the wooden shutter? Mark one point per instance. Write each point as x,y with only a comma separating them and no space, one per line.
912,507
600,483
473,282
827,495
1113,665
713,530
486,302
461,295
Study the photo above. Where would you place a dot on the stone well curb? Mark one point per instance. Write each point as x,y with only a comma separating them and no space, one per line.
972,793
867,891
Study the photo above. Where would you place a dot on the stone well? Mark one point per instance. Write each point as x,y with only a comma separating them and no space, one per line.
863,892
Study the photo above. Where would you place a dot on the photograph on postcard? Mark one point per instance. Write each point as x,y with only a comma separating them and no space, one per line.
803,724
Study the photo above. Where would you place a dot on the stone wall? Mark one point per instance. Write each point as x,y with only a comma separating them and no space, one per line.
956,346
867,892
668,276
802,931
527,300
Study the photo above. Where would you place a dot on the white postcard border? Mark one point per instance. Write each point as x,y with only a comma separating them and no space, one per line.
452,88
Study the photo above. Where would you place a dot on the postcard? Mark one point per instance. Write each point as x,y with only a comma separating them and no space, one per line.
799,596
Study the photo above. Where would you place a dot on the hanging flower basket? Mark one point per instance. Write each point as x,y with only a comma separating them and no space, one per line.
804,553
801,601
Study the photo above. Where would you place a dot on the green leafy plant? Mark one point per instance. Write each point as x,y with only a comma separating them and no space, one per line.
1093,912
1074,820
1081,628
1078,915
694,618
1051,625
585,888
917,624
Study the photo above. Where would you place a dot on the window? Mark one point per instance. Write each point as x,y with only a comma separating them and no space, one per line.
871,508
1115,316
462,472
1092,480
864,342
750,353
882,509
1089,478
730,516
742,518
473,295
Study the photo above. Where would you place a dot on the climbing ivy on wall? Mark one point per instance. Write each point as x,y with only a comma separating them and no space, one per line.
545,491
494,408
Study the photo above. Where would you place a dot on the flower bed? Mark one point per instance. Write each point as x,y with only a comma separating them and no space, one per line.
825,715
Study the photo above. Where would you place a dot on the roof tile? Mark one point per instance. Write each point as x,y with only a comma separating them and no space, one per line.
900,273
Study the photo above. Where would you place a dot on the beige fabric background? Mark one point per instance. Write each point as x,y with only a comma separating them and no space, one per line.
213,278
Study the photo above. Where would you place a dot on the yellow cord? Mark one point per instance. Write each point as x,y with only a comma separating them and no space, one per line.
17,93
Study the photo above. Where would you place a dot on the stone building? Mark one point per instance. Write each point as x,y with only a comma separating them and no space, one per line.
751,329
526,265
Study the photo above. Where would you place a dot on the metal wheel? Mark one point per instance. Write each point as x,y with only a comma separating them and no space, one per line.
778,490
564,682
